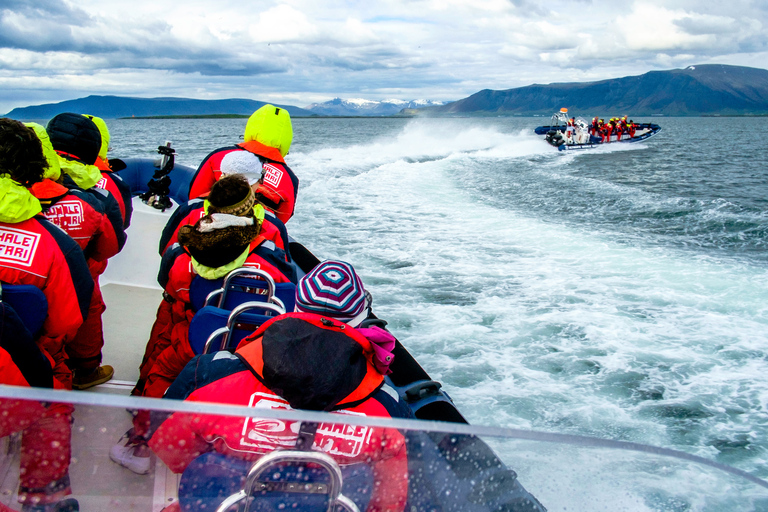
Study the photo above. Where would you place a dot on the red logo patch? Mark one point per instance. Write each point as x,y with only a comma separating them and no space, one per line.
18,246
272,175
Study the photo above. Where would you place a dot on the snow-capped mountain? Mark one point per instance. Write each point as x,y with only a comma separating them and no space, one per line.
361,107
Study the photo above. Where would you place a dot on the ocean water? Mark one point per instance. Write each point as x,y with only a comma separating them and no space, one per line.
621,292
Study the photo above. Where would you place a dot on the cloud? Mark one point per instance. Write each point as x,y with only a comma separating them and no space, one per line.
434,49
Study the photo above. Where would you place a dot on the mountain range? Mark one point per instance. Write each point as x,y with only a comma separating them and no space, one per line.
709,89
360,107
112,107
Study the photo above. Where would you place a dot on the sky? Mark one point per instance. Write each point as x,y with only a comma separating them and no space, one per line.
300,52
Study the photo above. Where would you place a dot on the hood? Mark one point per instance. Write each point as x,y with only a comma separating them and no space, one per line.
313,362
17,203
84,176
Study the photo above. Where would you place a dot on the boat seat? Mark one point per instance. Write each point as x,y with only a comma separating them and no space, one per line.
243,284
23,309
30,304
280,480
213,328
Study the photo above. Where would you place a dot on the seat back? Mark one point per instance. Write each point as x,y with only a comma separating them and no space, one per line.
30,304
244,284
291,480
213,329
16,337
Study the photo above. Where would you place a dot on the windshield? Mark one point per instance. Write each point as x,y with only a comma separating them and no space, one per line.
202,453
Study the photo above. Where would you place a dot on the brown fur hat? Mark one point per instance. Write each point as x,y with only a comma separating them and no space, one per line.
216,246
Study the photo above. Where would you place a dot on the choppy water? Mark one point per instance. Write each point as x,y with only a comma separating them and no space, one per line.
621,292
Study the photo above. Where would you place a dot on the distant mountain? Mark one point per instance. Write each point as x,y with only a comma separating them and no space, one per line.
111,107
359,107
709,89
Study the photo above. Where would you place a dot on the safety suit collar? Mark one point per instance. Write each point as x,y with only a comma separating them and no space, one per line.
17,203
212,273
84,176
257,148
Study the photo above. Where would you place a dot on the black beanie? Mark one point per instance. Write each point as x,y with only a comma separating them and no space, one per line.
76,135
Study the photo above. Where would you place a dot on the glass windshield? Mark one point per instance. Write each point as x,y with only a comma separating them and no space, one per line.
203,454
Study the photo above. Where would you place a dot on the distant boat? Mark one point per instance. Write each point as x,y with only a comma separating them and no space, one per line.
569,133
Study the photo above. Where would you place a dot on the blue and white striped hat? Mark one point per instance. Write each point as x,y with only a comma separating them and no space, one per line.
333,289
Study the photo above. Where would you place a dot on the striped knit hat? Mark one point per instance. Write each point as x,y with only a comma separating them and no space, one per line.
333,289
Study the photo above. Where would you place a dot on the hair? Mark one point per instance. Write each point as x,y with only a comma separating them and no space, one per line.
229,190
21,153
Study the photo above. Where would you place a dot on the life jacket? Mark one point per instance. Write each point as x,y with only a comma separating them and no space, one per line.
81,215
279,188
338,362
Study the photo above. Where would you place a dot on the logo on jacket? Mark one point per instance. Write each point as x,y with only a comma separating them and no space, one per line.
260,434
66,214
18,246
102,183
272,175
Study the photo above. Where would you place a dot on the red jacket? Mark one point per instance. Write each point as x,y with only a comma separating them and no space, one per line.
339,377
280,183
176,272
37,252
271,228
81,215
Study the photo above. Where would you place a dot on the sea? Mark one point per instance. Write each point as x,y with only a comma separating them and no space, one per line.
619,293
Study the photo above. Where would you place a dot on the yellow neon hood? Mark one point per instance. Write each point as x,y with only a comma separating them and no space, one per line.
84,176
17,203
104,131
270,126
54,169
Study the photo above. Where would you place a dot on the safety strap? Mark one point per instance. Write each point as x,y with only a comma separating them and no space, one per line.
306,439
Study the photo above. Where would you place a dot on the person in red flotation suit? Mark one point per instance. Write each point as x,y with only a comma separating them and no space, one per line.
229,236
631,128
34,251
236,162
268,135
77,141
334,372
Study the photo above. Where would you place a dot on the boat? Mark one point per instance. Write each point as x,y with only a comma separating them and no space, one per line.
452,465
573,133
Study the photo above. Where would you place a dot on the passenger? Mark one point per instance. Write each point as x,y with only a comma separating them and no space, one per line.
631,128
110,181
77,142
294,361
268,135
228,237
55,264
569,131
236,162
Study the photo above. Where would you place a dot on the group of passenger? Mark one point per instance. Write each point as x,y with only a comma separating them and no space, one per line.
62,217
320,357
614,127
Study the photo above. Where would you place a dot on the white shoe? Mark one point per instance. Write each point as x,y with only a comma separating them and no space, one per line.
123,454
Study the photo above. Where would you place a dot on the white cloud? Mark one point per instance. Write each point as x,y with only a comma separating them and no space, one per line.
309,51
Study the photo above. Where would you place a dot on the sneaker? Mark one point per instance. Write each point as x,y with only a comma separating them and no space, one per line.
67,505
131,455
98,376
